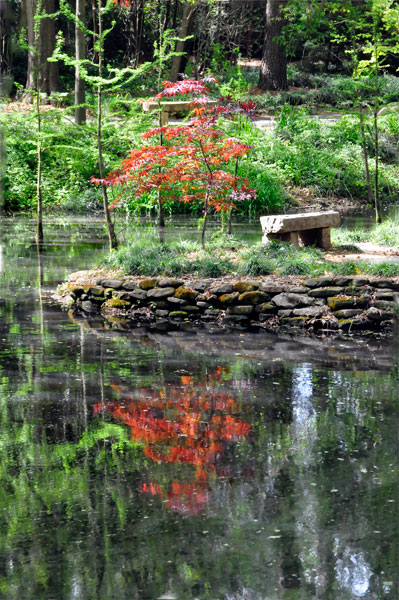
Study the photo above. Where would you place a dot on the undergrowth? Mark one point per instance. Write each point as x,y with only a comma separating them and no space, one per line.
301,151
146,255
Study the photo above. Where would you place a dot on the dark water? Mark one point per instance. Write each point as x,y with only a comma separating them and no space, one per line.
145,466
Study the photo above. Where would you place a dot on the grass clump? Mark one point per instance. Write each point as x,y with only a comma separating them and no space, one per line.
383,234
281,258
148,256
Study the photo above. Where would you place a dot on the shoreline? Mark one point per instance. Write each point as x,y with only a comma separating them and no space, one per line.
328,305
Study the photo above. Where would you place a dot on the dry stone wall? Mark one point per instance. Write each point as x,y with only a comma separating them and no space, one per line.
341,304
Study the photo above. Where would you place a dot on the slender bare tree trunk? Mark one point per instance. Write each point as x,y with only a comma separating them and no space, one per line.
80,54
366,161
113,242
161,217
39,228
376,176
273,70
204,222
376,140
188,11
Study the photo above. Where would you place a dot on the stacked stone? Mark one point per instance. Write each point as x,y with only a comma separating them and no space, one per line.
332,303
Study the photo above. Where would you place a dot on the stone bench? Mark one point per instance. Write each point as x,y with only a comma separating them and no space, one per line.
174,106
303,229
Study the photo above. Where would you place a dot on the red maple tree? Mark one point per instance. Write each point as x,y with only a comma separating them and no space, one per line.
189,162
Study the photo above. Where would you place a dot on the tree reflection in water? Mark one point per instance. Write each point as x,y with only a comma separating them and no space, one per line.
193,423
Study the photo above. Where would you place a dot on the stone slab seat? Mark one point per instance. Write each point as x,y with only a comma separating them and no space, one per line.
172,106
301,229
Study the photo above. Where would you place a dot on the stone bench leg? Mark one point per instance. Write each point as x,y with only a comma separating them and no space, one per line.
291,237
315,237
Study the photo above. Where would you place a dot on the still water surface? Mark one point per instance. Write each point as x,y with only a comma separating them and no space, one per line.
145,466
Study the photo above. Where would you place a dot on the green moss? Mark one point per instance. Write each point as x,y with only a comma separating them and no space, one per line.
115,303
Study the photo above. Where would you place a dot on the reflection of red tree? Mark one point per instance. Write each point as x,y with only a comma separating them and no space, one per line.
192,424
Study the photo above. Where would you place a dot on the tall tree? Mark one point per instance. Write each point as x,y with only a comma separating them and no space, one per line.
188,11
80,54
45,44
273,70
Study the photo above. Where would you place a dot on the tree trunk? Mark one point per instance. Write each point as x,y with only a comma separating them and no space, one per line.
366,161
376,180
41,49
30,15
113,241
204,222
39,227
273,70
136,20
80,54
188,11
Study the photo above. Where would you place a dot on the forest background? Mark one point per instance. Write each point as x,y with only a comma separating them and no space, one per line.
291,58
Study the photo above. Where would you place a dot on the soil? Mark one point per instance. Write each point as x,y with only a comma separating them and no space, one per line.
305,200
361,251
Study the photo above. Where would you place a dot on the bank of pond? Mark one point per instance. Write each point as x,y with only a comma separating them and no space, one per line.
329,304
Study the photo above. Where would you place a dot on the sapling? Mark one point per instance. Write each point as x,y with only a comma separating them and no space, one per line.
189,164
105,80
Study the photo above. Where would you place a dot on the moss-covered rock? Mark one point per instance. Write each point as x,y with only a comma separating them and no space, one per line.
294,321
167,282
226,299
115,303
254,297
148,283
185,293
341,302
76,290
266,308
348,313
245,286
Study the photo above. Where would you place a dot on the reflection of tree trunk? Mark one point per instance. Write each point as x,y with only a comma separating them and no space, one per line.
290,563
325,566
273,70
188,11
39,288
80,54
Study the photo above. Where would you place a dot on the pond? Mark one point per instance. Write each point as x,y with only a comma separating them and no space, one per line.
186,466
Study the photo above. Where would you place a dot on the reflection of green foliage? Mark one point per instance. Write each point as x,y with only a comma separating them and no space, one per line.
106,431
73,520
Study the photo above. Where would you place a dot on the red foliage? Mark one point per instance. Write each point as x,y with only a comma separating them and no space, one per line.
189,424
188,163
